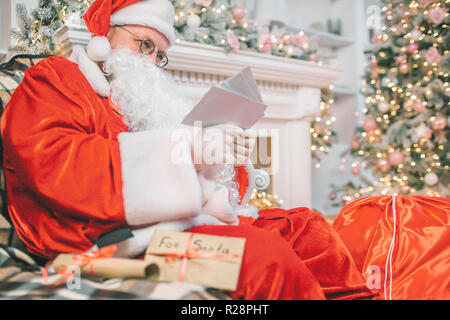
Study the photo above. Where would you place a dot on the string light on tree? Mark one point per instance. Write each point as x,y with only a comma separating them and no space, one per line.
405,145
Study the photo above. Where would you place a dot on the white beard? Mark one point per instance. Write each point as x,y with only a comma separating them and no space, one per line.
146,95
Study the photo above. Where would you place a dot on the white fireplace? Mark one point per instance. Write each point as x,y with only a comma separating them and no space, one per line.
290,88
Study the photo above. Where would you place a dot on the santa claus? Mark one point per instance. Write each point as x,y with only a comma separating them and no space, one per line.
93,144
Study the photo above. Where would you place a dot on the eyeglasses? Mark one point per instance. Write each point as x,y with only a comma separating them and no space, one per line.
147,47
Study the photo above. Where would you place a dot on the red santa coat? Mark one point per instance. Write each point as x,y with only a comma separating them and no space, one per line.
73,172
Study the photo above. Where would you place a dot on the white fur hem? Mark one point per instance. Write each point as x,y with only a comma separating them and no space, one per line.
158,184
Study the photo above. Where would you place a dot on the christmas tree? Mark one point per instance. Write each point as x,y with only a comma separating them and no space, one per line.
403,137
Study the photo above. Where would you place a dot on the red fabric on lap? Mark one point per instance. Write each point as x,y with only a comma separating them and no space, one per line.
270,268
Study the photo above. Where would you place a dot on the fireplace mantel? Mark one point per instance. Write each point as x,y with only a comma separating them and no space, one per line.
290,88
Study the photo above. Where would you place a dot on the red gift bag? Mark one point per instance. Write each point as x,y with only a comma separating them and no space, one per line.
401,244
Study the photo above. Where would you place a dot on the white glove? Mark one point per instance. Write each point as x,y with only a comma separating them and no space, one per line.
221,144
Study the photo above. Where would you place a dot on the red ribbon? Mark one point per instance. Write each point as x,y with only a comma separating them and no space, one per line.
191,253
82,260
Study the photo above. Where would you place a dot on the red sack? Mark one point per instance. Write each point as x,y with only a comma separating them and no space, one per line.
402,247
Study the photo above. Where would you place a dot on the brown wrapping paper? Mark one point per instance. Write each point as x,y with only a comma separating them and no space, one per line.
216,269
111,267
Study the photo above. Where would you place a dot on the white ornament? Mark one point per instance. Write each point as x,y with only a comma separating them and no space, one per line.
423,131
384,107
415,34
431,179
194,21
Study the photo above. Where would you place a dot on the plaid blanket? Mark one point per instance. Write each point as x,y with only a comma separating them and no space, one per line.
21,278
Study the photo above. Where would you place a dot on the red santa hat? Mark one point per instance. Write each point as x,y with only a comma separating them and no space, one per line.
156,14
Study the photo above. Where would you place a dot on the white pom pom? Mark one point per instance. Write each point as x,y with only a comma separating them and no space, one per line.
98,48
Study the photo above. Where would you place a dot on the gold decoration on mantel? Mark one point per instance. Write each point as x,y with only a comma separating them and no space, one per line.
263,200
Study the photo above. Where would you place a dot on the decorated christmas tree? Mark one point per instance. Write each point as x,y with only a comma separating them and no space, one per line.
403,137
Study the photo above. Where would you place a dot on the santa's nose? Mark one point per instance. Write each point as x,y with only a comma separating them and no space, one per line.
152,57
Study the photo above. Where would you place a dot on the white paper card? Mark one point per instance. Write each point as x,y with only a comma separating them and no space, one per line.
236,101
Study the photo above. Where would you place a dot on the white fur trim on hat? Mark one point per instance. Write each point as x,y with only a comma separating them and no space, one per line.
156,14
98,48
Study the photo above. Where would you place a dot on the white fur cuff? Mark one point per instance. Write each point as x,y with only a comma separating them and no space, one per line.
156,186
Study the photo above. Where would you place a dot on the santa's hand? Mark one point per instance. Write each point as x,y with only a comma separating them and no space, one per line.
221,144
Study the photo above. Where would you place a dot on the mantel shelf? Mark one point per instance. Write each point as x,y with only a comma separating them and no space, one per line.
327,39
196,57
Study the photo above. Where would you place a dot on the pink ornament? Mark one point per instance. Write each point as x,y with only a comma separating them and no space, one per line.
265,43
438,123
437,15
301,39
384,107
286,38
433,55
419,106
377,39
396,157
239,13
383,164
404,68
355,144
203,3
233,40
369,124
412,47
423,131
312,57
356,171
289,51
401,59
